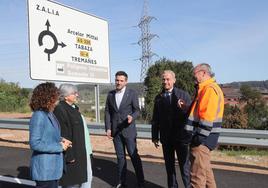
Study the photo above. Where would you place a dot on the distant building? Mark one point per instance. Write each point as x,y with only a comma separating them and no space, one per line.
231,95
264,94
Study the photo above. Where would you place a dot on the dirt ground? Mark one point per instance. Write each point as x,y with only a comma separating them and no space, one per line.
8,115
102,146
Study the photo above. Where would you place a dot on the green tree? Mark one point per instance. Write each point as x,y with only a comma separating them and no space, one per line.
255,107
234,117
153,82
257,116
249,95
12,97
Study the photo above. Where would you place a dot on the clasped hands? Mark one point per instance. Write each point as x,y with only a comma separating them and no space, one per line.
66,144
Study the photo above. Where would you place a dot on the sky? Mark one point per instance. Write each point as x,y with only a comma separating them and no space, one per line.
230,35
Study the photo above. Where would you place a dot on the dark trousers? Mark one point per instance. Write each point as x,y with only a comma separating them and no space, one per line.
122,143
182,152
47,184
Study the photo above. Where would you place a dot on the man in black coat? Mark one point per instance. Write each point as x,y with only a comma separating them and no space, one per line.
121,110
168,120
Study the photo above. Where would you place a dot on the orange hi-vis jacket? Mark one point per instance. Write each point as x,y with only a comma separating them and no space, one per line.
205,119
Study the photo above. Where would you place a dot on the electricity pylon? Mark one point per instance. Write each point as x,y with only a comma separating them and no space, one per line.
145,41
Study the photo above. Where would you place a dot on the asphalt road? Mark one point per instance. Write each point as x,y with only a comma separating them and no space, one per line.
14,162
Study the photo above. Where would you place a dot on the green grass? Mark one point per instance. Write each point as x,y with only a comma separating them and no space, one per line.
241,152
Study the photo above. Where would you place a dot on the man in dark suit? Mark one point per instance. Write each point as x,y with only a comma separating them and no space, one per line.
121,110
169,118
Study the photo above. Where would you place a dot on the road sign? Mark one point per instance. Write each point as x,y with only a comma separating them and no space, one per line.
67,44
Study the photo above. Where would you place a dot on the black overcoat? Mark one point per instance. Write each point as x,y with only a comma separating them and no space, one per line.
168,119
72,128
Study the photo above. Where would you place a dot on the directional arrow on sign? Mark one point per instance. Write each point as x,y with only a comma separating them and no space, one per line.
52,35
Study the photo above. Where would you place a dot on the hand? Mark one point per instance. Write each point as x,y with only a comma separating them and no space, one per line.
66,141
64,146
109,134
156,143
181,104
129,119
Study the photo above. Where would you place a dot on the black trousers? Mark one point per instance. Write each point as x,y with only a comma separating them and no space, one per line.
182,152
47,184
122,143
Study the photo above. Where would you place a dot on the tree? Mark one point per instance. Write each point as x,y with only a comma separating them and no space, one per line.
249,95
255,107
234,117
257,116
12,97
153,81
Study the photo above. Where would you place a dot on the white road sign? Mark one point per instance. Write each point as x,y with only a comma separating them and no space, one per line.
66,44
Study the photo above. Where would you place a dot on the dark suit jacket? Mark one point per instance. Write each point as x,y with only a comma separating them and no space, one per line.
116,119
168,119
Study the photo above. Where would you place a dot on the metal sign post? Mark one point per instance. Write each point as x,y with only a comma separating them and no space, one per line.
97,103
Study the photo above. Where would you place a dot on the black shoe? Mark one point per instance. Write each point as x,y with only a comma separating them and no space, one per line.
141,185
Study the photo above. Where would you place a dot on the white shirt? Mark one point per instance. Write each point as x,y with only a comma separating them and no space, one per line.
169,92
118,96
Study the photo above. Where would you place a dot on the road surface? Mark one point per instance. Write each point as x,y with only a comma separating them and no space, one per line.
14,163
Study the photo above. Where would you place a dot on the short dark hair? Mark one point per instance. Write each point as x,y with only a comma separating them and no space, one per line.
121,73
44,97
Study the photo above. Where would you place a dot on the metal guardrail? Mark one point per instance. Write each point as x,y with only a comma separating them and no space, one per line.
238,137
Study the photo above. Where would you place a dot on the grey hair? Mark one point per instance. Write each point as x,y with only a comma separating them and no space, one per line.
206,67
169,72
66,90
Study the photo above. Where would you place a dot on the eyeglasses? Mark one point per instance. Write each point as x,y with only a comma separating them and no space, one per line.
195,72
74,93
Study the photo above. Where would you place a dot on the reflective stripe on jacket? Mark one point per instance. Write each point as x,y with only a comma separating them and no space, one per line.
206,113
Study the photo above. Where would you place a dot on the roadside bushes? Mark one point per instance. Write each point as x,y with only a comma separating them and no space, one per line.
13,98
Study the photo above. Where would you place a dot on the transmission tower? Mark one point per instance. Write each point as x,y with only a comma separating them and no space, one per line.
145,41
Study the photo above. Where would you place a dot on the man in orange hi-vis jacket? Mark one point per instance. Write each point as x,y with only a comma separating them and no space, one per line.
204,122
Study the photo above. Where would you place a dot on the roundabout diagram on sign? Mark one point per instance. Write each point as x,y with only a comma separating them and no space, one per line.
52,35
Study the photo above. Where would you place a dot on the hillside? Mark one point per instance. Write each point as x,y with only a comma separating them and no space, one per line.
262,85
105,88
